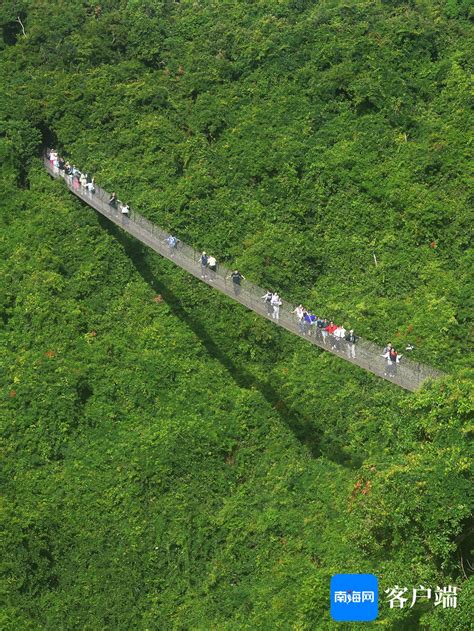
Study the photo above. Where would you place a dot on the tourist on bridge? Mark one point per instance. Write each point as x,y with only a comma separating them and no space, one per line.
113,201
125,210
204,261
54,161
310,321
172,244
237,279
318,323
267,298
324,332
392,360
68,172
339,335
83,180
330,328
276,304
299,313
52,157
90,187
351,340
212,265
306,322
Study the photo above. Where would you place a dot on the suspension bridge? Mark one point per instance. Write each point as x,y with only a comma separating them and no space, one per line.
407,374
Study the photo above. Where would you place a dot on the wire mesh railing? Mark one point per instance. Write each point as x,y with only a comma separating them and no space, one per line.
407,374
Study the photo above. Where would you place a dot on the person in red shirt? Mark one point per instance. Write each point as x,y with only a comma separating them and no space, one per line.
331,327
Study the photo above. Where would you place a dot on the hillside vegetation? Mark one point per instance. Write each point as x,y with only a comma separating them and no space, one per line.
171,460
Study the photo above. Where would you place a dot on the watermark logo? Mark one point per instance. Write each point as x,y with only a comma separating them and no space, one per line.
354,597
399,597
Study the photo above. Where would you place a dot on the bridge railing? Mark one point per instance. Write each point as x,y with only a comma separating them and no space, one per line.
407,374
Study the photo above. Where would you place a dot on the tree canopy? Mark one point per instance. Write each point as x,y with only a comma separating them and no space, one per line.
170,460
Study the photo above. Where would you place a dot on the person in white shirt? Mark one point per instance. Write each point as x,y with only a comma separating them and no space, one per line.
52,156
299,313
56,163
339,335
212,266
172,244
90,188
276,304
125,210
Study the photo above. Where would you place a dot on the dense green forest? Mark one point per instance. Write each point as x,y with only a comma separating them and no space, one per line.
169,459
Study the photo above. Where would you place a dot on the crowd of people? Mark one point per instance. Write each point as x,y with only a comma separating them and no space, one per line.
71,173
336,337
82,181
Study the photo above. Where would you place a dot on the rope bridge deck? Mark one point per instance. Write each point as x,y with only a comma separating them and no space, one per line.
408,374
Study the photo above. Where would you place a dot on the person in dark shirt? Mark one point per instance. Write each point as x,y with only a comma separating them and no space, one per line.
306,322
204,261
237,279
267,298
113,201
318,325
351,340
310,320
392,363
324,333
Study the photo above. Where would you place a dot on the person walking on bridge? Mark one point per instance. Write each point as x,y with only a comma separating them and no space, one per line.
331,327
113,201
324,332
392,360
276,304
237,279
299,313
339,335
351,340
172,244
267,298
204,261
212,265
90,187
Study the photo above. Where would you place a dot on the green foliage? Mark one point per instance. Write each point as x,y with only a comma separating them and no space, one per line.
170,460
